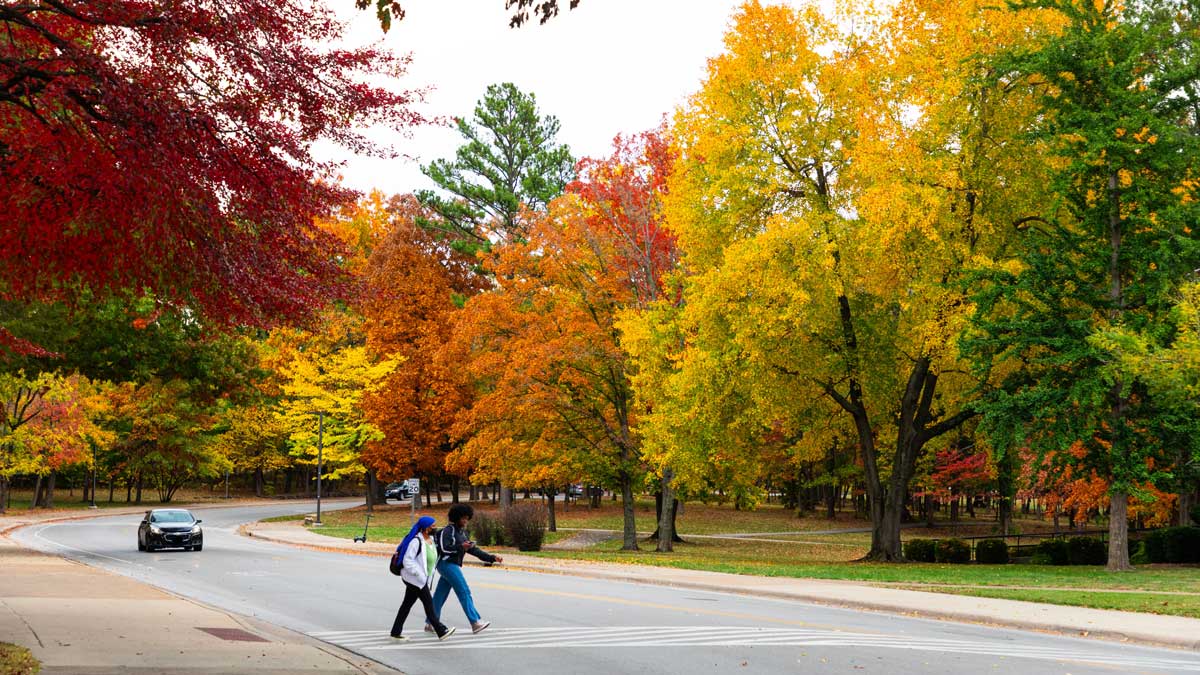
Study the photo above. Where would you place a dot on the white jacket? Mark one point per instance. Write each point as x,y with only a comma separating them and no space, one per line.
416,570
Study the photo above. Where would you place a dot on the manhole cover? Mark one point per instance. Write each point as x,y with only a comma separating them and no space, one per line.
232,634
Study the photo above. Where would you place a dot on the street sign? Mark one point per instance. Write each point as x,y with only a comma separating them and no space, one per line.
414,491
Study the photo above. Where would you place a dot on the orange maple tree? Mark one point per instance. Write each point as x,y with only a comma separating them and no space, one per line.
543,346
415,282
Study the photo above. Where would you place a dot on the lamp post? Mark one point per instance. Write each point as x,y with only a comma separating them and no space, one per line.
320,441
94,467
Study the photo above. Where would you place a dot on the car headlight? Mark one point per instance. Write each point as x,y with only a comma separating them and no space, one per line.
195,529
154,529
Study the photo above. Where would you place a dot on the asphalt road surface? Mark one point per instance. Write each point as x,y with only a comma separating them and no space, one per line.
544,623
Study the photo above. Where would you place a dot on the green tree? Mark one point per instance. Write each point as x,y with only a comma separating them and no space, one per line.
510,160
1118,92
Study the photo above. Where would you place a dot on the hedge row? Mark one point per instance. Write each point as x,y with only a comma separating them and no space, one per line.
1071,551
1171,545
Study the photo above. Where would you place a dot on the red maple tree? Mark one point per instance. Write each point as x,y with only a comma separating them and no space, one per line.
165,146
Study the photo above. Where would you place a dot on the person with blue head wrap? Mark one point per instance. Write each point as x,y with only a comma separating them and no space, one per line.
419,555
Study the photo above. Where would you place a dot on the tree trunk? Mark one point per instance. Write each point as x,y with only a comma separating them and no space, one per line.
287,481
258,483
928,509
138,489
506,497
666,517
1118,533
630,526
3,494
371,490
1185,507
37,493
454,488
48,497
552,495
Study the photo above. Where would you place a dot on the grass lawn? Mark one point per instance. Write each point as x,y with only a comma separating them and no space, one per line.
1155,589
16,660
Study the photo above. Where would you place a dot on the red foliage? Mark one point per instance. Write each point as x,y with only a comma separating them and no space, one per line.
165,145
624,193
959,472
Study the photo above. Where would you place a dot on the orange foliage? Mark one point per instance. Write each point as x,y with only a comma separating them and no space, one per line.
413,278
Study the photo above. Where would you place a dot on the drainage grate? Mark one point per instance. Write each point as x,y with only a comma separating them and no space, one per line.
232,634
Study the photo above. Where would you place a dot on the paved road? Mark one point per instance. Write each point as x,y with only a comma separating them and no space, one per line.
558,623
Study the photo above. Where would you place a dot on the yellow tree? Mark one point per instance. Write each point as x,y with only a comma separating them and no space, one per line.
832,185
325,375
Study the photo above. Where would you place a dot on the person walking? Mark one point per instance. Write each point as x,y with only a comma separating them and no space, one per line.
419,557
454,543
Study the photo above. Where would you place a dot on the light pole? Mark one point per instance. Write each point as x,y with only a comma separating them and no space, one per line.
94,467
320,441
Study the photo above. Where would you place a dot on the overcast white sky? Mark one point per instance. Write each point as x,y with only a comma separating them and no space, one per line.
608,67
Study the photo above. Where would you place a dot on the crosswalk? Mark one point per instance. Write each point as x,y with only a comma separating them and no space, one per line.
376,641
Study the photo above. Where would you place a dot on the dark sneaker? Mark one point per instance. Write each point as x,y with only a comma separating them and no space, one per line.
447,633
400,638
478,626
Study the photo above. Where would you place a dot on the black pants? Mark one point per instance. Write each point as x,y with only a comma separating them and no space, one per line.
411,595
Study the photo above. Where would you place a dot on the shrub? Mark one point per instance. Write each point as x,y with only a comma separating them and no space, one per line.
1086,551
920,550
1138,555
1052,552
486,530
952,551
1154,546
525,525
992,552
1182,544
1173,545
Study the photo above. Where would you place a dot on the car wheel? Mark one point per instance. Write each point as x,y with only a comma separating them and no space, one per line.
141,546
150,548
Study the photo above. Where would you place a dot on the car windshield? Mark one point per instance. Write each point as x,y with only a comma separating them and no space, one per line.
170,517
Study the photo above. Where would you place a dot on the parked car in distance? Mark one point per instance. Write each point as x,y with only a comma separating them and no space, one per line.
575,489
170,528
396,491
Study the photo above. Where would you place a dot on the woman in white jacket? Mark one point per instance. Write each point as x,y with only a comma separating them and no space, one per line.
419,555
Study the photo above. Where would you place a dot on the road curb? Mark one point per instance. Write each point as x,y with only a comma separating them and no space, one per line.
1131,636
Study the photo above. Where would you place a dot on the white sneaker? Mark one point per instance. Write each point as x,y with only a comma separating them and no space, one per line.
478,626
400,638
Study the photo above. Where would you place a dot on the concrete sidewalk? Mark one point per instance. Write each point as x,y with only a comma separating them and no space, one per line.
81,620
1171,631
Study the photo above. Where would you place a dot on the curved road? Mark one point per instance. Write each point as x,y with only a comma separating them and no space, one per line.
562,624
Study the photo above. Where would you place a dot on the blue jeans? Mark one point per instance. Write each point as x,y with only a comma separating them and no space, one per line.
452,577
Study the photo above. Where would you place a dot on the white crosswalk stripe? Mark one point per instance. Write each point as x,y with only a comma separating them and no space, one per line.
368,641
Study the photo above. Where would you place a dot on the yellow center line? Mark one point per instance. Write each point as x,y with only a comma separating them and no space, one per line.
675,608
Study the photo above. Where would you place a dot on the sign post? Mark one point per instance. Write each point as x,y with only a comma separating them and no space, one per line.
414,491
